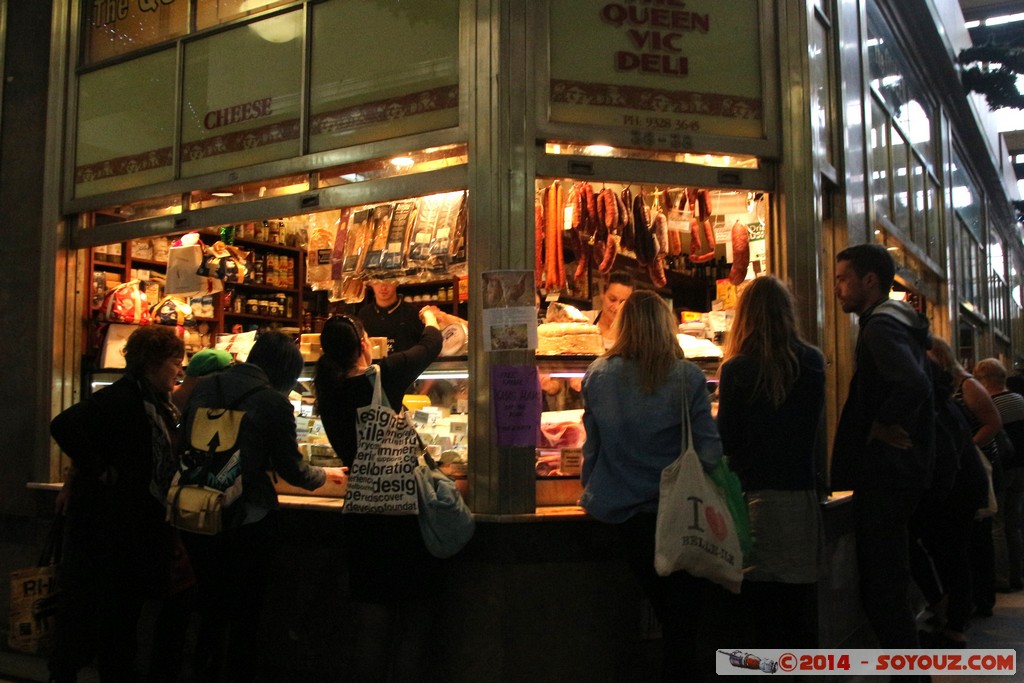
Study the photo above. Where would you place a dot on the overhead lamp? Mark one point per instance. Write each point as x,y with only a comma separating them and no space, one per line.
402,163
223,194
599,150
279,29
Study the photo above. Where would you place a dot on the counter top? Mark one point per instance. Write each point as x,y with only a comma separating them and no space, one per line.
552,513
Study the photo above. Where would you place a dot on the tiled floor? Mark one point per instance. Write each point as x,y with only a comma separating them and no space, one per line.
1003,630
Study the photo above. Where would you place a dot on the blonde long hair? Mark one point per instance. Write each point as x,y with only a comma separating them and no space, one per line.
765,329
646,333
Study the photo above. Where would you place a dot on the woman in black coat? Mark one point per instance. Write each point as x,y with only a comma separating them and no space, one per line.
118,550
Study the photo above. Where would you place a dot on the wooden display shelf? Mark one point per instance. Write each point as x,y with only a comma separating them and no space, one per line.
262,287
147,263
257,316
108,265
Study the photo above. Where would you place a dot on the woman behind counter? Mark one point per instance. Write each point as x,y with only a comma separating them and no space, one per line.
770,403
616,290
633,402
390,571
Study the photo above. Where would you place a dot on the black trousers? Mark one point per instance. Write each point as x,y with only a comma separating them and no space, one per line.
881,522
697,616
231,581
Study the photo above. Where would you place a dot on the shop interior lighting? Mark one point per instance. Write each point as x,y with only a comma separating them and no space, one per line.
279,29
223,194
566,375
672,156
1004,19
402,162
448,375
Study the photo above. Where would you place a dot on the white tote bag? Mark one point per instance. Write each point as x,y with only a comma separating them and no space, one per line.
695,532
382,477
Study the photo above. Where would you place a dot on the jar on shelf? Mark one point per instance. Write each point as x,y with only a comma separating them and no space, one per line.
289,277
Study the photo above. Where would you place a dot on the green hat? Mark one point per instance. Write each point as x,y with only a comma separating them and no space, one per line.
206,361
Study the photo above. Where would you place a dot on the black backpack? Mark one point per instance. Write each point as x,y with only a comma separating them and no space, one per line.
212,461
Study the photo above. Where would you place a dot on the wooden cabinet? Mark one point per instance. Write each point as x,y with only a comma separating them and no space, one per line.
272,292
271,295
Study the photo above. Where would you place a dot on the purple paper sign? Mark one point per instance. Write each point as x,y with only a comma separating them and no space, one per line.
516,402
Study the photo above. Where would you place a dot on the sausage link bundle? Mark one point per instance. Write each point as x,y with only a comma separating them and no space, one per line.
554,267
611,250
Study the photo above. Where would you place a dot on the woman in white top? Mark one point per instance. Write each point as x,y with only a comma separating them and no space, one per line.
616,291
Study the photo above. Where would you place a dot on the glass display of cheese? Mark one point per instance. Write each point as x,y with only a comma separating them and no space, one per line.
557,339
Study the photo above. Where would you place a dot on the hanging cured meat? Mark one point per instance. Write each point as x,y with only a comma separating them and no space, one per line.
740,253
628,233
610,212
645,249
659,234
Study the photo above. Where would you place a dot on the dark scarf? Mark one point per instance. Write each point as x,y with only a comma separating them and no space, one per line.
163,419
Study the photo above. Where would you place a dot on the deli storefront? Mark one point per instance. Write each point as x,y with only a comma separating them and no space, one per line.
434,144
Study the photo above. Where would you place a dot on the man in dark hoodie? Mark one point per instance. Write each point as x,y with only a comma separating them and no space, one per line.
884,446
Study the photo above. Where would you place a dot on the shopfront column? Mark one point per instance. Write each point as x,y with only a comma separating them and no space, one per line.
502,479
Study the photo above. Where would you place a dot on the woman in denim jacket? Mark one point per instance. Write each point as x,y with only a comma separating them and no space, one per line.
633,401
